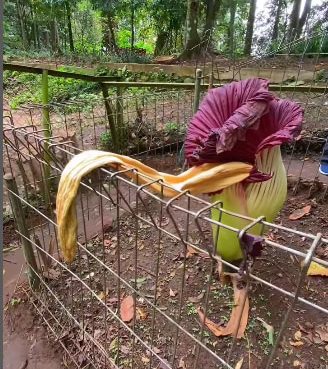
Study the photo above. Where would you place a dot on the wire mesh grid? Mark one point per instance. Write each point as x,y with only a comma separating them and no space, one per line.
157,254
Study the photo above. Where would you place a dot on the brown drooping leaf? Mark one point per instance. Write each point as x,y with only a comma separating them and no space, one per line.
127,309
239,311
316,269
299,213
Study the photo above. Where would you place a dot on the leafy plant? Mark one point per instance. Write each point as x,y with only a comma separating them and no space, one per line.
106,141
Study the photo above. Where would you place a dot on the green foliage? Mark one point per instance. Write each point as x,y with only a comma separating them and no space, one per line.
173,128
106,141
26,88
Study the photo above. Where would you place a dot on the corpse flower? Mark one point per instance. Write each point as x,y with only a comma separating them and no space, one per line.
244,122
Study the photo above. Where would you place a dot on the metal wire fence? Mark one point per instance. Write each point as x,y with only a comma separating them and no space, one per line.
159,252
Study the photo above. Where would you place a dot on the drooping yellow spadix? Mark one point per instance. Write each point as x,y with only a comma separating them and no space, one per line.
205,178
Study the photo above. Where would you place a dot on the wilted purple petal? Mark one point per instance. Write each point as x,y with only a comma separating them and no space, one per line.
237,121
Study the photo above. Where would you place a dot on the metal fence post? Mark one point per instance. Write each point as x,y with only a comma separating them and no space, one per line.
19,215
198,80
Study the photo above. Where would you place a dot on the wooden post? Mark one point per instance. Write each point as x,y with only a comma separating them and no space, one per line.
47,126
198,81
109,112
19,216
119,112
45,103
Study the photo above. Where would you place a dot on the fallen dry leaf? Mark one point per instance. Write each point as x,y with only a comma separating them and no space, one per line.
239,364
191,251
127,309
173,293
51,274
298,335
182,364
141,314
322,331
197,298
296,343
145,359
101,295
296,363
299,213
240,296
316,269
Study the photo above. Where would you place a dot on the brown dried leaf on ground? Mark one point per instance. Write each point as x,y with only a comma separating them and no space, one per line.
316,269
322,331
239,311
173,293
299,213
127,309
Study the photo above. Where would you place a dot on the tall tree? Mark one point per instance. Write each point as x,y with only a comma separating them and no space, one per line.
169,17
107,10
69,25
132,23
192,44
277,16
294,20
212,9
231,32
250,28
304,16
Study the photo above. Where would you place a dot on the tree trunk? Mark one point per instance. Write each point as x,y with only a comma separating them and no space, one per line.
293,20
192,44
21,23
212,9
250,28
69,26
160,42
302,20
111,31
132,24
231,36
55,37
275,31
